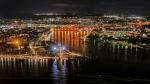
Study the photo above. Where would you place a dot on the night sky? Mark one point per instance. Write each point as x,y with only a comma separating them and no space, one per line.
12,7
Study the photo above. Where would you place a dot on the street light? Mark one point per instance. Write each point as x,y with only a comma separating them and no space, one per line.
17,42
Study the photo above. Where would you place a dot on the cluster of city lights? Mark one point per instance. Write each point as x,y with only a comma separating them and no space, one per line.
58,48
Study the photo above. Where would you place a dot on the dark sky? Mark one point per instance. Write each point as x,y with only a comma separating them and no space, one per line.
141,7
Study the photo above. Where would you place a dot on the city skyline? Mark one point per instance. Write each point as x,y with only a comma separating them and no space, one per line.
75,41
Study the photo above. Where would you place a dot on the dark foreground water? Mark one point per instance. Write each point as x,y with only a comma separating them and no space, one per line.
106,63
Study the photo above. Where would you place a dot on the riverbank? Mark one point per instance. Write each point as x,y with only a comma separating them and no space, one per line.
38,57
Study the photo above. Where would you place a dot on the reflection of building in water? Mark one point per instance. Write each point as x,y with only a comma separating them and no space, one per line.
7,63
73,40
20,67
59,71
124,51
61,68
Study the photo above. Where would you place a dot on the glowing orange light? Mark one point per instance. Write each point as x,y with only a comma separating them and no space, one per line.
17,42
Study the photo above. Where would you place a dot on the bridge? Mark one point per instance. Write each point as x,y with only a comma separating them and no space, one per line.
76,31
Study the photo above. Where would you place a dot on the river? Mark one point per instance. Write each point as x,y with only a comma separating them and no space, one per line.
104,62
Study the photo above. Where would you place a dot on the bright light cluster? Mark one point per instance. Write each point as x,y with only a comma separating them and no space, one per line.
58,48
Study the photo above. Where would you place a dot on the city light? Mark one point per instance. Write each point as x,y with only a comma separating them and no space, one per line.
58,48
17,42
54,48
64,48
63,38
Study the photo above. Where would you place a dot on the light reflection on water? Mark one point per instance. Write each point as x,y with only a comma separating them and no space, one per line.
59,71
33,68
104,58
71,39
